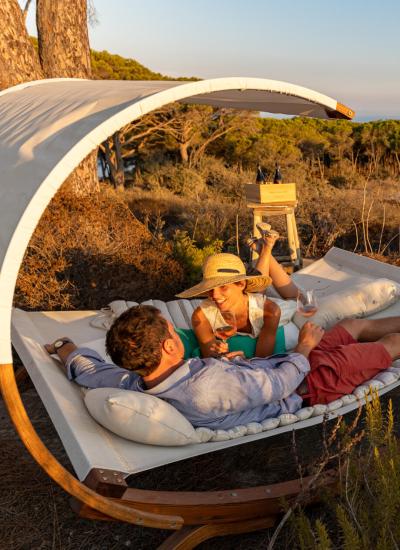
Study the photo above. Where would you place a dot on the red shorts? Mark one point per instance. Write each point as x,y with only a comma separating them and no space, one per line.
339,364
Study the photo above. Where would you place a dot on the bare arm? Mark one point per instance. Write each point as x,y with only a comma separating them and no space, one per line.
209,345
309,337
266,339
62,352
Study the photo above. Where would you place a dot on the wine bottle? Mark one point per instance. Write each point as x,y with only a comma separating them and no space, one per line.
278,174
260,178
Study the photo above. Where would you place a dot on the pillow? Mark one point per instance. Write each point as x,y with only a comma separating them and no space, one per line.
360,300
140,417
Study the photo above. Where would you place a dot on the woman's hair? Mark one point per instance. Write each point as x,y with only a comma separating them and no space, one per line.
135,339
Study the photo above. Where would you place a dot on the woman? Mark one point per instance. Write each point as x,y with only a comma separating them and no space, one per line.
229,288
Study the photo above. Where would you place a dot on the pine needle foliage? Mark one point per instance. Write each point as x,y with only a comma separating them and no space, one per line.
365,510
190,256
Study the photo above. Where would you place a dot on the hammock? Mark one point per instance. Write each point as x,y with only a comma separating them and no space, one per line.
90,446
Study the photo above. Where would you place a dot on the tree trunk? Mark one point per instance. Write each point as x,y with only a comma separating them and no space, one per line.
63,38
115,162
18,59
64,52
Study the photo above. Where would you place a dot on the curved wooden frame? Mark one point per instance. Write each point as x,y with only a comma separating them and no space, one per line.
212,513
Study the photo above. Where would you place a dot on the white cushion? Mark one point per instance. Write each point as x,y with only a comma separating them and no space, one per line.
361,391
287,418
291,335
140,417
386,377
334,405
319,409
304,413
357,301
270,424
348,399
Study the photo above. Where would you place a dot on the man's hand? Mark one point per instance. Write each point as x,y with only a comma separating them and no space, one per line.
309,337
63,351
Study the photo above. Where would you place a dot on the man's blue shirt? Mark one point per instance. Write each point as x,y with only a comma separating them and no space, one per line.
211,392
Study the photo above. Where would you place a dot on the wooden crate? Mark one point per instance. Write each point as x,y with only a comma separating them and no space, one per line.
271,193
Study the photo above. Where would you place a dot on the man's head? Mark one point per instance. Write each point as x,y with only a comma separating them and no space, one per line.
139,339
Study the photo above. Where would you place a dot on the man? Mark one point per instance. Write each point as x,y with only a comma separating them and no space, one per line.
223,393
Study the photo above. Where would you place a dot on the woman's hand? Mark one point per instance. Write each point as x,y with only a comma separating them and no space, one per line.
232,354
217,348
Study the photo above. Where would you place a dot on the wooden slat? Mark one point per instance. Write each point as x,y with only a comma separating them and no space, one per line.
200,507
190,537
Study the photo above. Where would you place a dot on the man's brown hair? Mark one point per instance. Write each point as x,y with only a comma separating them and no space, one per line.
135,339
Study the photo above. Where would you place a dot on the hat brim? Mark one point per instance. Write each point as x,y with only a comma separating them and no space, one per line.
255,283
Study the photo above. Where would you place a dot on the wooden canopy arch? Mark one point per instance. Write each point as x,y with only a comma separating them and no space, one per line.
46,129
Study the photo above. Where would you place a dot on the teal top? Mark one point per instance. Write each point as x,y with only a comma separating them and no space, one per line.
239,342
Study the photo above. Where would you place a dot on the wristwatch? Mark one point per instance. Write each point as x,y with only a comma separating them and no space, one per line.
58,344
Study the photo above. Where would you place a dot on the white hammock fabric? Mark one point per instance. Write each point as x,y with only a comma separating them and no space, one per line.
91,446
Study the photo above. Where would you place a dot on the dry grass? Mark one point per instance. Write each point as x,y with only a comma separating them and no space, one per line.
86,252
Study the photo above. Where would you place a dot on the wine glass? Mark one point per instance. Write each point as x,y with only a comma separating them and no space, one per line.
228,329
307,303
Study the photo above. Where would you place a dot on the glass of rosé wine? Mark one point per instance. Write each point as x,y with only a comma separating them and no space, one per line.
228,329
307,303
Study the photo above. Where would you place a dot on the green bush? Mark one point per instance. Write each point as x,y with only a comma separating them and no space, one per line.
365,511
191,257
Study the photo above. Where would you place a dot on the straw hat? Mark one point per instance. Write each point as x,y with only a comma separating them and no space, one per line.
223,269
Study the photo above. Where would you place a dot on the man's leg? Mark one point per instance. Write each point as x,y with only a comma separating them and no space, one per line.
391,342
371,330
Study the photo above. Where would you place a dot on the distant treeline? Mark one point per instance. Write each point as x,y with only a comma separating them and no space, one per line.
115,67
337,152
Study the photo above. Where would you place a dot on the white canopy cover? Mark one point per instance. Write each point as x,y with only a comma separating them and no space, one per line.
48,127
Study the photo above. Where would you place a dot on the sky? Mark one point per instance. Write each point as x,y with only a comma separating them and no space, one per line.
349,50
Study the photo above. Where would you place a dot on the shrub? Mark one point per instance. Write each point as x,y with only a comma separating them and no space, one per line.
366,509
192,257
87,251
340,182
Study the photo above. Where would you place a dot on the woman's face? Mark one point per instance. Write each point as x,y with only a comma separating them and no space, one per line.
228,297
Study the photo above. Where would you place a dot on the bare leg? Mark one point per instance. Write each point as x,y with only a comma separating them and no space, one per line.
281,280
371,330
392,344
267,265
